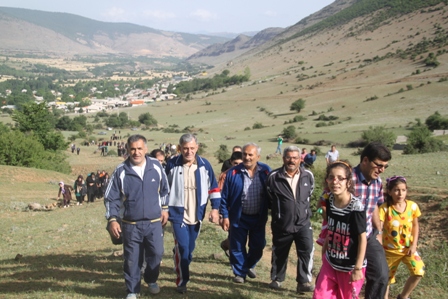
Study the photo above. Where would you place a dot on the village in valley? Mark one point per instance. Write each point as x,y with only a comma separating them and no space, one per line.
127,95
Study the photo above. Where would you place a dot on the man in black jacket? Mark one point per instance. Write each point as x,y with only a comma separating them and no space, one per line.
289,191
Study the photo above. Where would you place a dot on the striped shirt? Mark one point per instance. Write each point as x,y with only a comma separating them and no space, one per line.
370,193
344,227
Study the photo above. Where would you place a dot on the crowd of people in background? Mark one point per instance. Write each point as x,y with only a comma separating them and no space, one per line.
85,190
361,241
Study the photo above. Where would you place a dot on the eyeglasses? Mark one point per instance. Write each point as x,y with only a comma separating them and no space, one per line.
380,165
292,158
338,179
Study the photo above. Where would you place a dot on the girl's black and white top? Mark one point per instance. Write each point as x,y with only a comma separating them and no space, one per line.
344,227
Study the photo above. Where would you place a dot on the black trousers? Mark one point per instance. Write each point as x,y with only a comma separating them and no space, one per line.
282,242
377,272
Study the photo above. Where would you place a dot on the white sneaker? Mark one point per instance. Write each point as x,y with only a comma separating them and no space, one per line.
77,203
65,207
131,296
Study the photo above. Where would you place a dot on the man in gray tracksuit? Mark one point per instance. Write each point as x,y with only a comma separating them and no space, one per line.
289,189
137,194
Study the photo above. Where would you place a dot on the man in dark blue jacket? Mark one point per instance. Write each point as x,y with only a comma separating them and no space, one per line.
289,190
245,212
137,194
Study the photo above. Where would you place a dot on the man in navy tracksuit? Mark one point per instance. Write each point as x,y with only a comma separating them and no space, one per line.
192,184
289,190
137,194
244,210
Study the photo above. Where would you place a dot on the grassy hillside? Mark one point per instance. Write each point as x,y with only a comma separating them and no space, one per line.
67,253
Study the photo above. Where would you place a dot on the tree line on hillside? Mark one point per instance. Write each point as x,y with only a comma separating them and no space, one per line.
420,139
33,142
36,141
213,83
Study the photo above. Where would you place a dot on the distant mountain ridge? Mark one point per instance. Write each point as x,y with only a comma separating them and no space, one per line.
220,53
85,35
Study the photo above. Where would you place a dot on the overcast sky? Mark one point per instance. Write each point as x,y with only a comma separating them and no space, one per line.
194,16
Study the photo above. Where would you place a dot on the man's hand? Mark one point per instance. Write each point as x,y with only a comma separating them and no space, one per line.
115,229
225,224
164,218
214,216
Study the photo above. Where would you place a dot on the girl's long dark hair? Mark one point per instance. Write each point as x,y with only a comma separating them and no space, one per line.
390,184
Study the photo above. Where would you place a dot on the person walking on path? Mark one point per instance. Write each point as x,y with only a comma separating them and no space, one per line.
309,159
399,219
289,190
244,210
192,185
343,252
332,155
235,159
66,192
137,194
279,144
368,185
91,187
80,190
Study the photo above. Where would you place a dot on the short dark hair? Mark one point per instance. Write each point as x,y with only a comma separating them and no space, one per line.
376,150
236,156
135,138
237,147
156,151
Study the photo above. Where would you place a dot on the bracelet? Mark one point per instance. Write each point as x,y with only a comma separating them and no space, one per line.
112,219
357,268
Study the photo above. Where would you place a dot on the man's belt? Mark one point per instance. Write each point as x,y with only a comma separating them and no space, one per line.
135,222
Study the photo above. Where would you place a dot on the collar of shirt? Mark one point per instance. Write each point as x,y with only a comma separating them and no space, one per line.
288,175
244,170
361,177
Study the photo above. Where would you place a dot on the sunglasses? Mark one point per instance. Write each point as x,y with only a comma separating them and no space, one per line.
380,165
336,179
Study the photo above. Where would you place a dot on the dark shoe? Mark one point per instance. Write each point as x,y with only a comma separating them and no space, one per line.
153,288
238,279
275,285
251,273
225,247
305,287
181,289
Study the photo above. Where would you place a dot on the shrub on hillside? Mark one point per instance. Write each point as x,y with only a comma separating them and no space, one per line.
25,150
302,140
289,132
222,153
379,134
437,122
257,125
420,141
